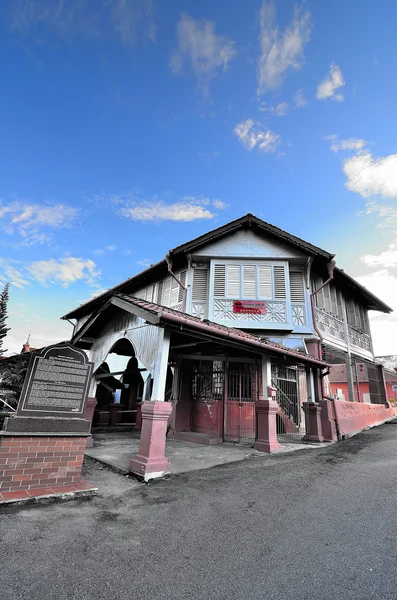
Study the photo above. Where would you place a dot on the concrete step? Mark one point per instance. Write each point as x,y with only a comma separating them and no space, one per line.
197,438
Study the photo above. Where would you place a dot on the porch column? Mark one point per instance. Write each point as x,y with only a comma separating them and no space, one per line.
266,410
313,422
151,462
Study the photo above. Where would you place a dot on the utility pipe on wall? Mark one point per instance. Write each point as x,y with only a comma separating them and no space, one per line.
169,264
330,268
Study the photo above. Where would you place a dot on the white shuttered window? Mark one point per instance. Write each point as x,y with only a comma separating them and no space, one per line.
250,281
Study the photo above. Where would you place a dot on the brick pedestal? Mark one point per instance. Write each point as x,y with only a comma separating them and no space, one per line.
40,462
313,422
150,462
266,411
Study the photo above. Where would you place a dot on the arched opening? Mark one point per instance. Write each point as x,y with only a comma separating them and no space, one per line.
119,387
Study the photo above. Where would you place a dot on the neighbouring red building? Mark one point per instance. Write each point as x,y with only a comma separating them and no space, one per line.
362,383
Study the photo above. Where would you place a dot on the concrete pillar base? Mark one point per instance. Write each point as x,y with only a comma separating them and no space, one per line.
266,411
151,462
313,422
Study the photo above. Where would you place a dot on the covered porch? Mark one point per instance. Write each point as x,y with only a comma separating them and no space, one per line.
205,383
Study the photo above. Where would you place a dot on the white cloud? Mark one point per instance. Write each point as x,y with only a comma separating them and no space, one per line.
160,211
251,136
348,144
386,259
130,19
299,99
368,176
333,81
65,271
280,110
12,274
207,51
280,51
220,204
383,284
145,262
387,214
28,219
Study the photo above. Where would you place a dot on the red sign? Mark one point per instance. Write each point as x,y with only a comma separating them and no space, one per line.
249,307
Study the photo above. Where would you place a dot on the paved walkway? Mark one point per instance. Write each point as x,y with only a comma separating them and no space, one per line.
116,449
298,526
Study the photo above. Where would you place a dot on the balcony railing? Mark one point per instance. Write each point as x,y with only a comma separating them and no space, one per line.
334,327
330,325
359,338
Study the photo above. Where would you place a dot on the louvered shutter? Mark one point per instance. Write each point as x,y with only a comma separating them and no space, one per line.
149,293
249,281
200,285
233,281
166,291
182,279
220,281
174,291
279,283
265,281
297,288
160,292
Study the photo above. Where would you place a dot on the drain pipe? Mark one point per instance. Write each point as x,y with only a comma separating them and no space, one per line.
169,264
330,268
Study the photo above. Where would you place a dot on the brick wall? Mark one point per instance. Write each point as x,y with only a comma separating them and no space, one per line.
28,463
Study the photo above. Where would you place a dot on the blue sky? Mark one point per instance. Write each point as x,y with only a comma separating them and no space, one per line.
130,126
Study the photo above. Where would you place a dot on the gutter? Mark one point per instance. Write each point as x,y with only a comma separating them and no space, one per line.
257,344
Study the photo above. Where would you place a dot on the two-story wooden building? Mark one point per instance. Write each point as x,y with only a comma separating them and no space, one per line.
243,312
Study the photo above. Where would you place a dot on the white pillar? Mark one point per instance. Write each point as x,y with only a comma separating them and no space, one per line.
160,369
311,395
266,376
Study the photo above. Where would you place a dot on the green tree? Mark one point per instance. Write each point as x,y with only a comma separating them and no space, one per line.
3,316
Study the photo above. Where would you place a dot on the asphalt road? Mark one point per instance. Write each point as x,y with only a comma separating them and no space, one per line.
316,524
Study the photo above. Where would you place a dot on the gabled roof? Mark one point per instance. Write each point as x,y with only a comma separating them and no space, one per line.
250,221
247,221
162,315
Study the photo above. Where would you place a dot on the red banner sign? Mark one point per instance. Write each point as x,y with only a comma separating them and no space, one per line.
249,307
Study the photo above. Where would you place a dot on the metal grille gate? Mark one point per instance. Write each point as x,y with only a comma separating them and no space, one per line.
290,419
208,377
241,393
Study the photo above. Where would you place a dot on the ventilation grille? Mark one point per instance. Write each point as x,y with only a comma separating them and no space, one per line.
279,283
200,285
219,281
297,287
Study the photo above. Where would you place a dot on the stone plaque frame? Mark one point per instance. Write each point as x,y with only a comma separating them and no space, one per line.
63,351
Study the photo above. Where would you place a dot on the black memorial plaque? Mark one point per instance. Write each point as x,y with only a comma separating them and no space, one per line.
56,383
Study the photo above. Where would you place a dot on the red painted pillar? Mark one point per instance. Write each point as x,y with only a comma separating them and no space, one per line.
328,425
151,462
266,411
88,414
313,422
138,421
